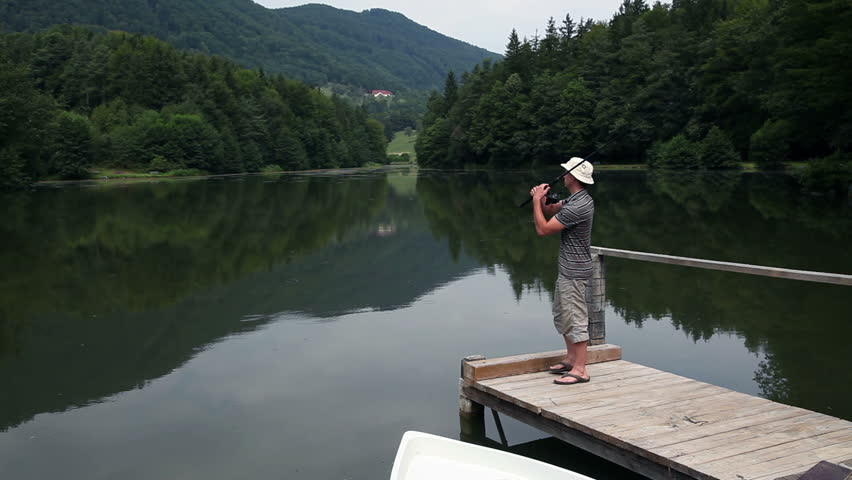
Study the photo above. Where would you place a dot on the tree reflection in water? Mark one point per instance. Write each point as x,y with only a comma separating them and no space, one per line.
147,275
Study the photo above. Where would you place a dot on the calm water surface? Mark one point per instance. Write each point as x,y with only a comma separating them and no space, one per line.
294,327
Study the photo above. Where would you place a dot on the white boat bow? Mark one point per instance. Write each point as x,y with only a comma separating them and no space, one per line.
422,456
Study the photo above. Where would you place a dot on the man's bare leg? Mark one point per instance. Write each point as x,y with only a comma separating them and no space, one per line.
580,350
569,354
570,351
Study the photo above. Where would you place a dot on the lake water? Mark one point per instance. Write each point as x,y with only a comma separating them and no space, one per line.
295,326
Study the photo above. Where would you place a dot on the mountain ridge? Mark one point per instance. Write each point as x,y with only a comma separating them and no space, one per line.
315,43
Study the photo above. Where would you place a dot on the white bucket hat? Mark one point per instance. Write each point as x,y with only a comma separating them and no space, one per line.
582,173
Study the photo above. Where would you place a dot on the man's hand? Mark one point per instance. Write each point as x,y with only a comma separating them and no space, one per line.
542,225
539,192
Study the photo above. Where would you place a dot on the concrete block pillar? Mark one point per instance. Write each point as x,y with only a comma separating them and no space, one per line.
596,300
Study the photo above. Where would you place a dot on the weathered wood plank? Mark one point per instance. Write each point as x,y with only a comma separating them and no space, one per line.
569,404
823,471
756,443
535,362
699,392
690,410
656,441
793,463
574,405
749,439
724,465
552,392
577,414
572,421
608,451
608,379
715,428
669,424
601,371
678,419
775,272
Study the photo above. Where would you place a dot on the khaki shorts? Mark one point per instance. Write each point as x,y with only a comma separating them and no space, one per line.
570,309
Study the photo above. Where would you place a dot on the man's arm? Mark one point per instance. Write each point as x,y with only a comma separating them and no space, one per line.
543,226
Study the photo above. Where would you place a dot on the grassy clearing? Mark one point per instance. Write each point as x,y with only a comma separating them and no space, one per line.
403,143
789,167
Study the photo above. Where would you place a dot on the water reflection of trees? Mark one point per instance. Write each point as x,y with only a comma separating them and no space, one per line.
297,246
696,193
722,216
474,212
95,251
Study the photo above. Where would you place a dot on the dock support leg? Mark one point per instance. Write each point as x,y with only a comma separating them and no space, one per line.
467,406
499,426
472,425
471,414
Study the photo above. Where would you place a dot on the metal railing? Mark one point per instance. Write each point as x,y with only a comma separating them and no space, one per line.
808,276
596,295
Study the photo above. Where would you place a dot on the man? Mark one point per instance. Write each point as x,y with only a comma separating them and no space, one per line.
572,218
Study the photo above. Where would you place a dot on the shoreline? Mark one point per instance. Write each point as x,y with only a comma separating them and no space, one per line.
139,177
135,177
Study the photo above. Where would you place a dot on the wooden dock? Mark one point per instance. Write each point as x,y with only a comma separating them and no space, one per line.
656,423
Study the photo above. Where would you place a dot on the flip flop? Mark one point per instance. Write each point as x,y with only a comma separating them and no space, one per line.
579,379
566,367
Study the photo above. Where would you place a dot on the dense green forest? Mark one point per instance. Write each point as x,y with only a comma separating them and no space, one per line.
373,49
71,98
694,84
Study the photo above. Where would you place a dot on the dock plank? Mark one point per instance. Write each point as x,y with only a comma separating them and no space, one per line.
734,458
605,410
791,437
604,386
679,418
629,395
791,464
532,362
767,418
691,410
603,373
651,417
752,437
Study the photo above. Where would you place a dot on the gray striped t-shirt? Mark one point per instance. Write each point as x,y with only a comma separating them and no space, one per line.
575,256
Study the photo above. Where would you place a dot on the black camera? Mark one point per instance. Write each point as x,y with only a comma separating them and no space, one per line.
551,198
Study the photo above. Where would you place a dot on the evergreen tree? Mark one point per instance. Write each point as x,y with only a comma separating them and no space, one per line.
25,116
71,146
678,153
566,38
717,151
512,57
549,46
451,92
769,146
289,151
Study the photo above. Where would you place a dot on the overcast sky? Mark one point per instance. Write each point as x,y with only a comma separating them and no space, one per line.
484,24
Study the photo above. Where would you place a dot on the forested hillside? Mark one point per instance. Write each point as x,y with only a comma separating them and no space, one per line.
694,84
374,49
71,98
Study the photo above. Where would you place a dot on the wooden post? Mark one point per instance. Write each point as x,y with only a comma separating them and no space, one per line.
596,300
471,414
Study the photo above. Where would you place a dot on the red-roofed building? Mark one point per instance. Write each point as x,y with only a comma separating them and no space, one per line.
382,93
